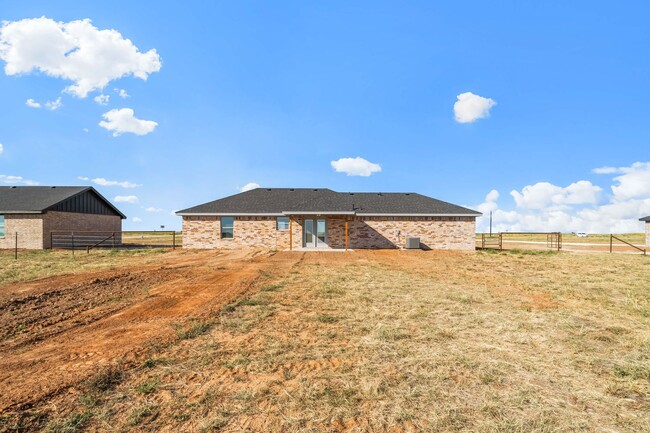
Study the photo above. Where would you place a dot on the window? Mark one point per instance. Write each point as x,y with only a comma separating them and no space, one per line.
227,227
2,226
282,223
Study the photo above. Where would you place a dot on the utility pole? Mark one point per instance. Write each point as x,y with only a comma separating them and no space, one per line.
490,223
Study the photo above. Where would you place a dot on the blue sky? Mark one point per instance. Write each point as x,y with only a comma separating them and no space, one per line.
272,92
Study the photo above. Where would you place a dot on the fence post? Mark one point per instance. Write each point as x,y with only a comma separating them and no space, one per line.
611,241
174,240
113,240
16,248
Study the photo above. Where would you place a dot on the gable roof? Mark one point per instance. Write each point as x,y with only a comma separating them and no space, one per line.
646,219
288,201
39,199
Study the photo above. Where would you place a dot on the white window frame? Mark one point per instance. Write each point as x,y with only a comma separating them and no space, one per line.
221,227
277,224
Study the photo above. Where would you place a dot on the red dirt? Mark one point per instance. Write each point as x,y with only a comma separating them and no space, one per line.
57,331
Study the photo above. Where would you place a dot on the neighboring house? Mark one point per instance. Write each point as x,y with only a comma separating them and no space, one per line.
35,211
293,218
647,229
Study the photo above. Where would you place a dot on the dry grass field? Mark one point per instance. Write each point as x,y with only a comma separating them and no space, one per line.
366,341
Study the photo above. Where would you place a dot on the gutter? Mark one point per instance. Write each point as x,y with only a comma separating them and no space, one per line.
288,213
420,214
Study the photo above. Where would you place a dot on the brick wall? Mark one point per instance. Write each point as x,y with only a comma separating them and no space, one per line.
34,230
204,232
454,233
29,228
439,233
78,222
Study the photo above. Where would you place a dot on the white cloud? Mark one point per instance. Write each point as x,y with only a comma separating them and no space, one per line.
355,166
545,195
54,105
470,107
153,209
33,104
123,120
633,182
121,93
249,186
126,199
85,129
490,203
575,208
76,51
137,219
124,184
605,170
16,180
83,178
2,148
102,99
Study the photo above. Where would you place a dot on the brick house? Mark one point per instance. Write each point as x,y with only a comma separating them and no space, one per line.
296,218
34,212
647,229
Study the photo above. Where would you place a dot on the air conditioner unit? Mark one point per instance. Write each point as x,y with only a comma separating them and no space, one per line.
412,243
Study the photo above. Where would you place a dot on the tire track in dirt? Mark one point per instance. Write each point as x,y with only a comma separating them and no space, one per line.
199,284
43,312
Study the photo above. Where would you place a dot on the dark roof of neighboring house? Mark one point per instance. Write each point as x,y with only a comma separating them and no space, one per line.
645,219
278,201
39,199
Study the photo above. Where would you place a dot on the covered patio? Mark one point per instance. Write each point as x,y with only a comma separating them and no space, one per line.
318,231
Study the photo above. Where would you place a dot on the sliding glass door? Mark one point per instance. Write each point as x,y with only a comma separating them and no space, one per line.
315,233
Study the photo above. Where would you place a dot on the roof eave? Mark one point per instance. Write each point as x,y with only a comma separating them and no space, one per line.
369,214
184,213
324,212
407,214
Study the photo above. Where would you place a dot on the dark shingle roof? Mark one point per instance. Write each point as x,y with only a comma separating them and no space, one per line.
323,200
38,199
645,218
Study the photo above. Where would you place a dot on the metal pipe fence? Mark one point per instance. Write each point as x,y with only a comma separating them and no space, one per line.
81,240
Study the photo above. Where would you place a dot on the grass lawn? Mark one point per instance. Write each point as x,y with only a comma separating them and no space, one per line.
399,342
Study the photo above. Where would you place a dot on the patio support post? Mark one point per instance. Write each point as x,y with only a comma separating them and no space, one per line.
290,233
